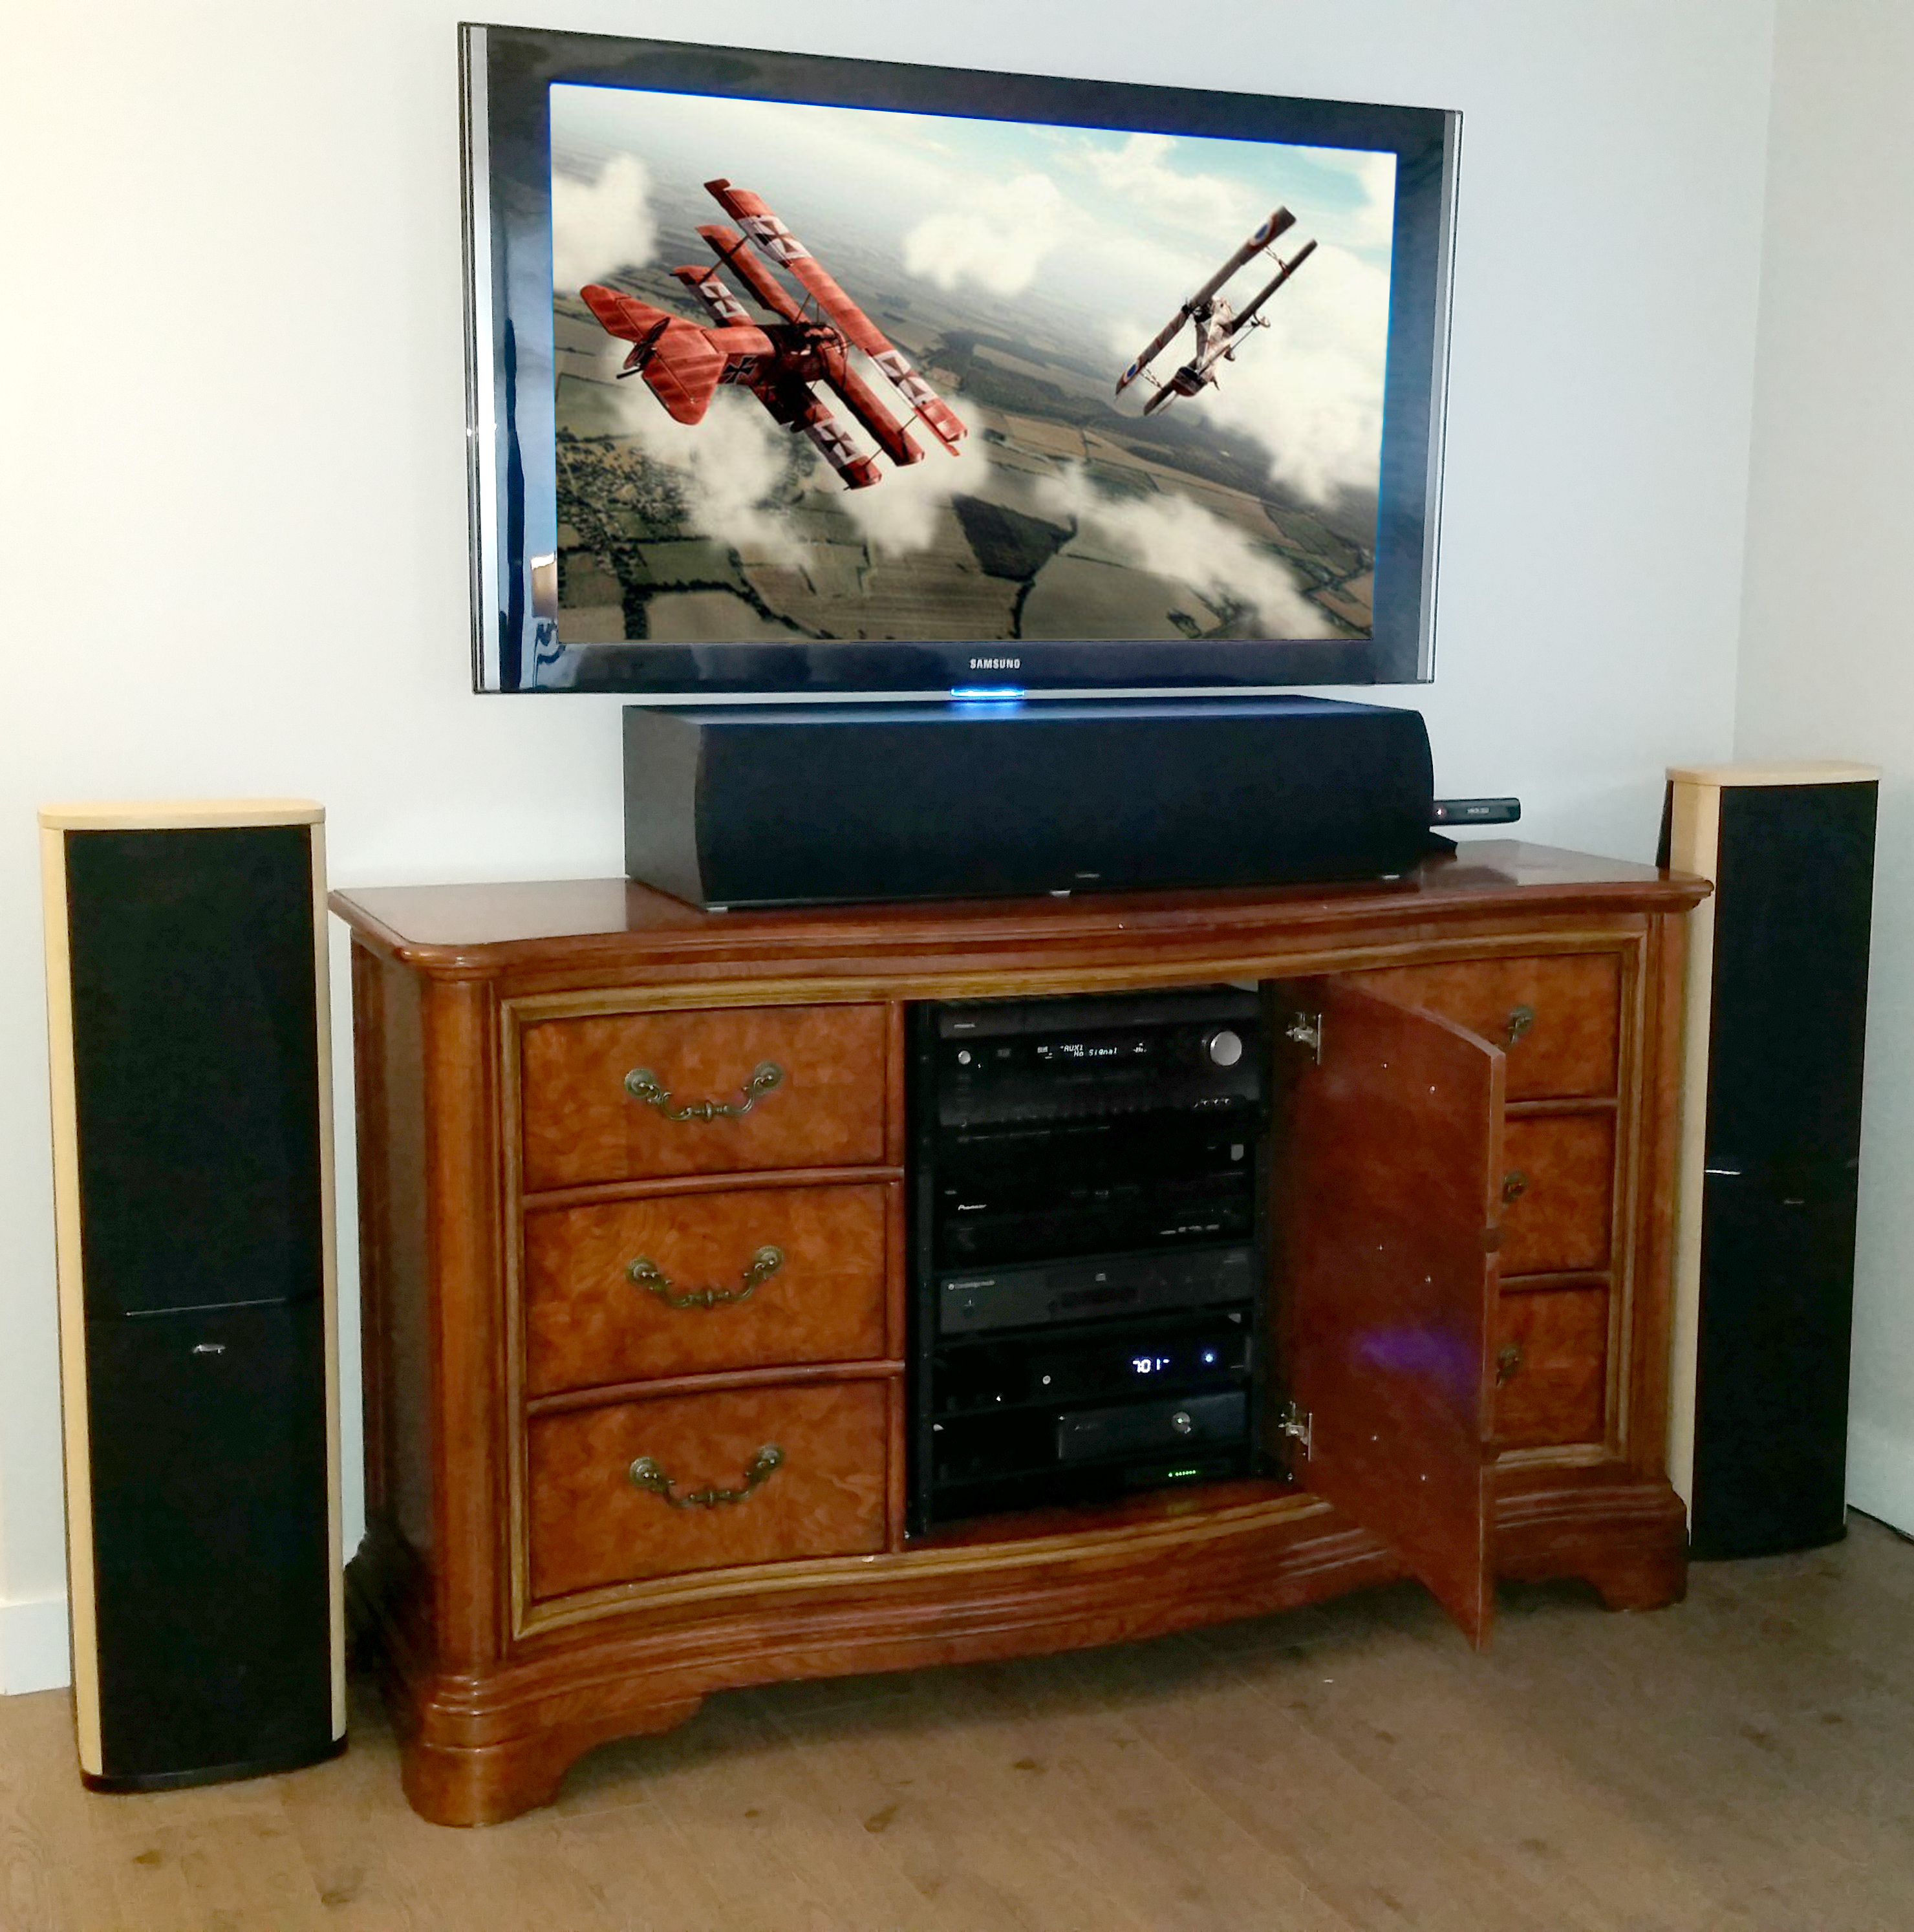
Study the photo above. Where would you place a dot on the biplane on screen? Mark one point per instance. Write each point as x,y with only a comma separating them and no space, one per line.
830,373
779,362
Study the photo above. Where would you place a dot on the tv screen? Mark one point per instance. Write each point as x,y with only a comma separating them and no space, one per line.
792,376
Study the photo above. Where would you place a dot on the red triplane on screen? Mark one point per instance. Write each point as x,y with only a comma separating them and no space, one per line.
683,362
1217,324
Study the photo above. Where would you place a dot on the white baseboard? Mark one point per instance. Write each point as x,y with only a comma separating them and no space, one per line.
33,1654
1880,1474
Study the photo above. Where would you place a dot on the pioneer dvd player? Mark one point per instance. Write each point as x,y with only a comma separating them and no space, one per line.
1088,1245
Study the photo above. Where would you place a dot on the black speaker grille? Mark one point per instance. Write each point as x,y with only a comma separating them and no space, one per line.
195,1066
1795,887
212,1547
1795,892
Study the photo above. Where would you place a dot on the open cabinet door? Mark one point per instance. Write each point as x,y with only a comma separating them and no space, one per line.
1394,1162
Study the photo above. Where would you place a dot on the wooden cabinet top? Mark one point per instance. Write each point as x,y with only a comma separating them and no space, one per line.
564,925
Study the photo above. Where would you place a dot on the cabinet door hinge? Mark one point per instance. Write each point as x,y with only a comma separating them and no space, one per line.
1296,1422
1306,1029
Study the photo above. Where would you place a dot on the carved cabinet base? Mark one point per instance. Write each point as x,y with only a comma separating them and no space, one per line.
602,1485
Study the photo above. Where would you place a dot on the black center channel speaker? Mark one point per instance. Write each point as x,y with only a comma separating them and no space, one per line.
804,804
186,1003
1771,1151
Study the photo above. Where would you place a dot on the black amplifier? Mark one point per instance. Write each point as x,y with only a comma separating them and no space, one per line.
1000,1061
1088,1242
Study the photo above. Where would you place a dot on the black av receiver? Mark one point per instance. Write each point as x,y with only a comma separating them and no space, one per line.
1088,1237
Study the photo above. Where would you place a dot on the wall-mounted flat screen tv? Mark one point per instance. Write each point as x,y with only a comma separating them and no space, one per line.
793,376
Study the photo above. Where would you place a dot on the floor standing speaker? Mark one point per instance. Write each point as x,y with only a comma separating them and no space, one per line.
1777,1015
193,1190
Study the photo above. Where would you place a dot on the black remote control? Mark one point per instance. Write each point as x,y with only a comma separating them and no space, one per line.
1477,812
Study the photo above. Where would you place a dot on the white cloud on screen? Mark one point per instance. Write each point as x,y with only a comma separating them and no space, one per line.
997,235
1374,223
728,468
601,226
1140,173
1173,538
734,469
1148,175
1312,388
881,169
900,514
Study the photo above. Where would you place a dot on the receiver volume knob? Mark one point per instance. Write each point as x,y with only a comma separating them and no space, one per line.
1224,1047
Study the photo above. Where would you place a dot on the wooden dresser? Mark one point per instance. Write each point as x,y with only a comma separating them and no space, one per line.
631,1183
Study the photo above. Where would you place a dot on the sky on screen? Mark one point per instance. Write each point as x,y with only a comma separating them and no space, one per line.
1095,235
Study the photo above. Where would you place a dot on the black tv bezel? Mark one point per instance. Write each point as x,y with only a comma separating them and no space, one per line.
506,73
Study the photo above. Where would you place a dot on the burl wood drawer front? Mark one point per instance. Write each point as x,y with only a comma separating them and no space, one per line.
681,1284
1558,1019
1552,1363
803,1463
1557,1193
824,1109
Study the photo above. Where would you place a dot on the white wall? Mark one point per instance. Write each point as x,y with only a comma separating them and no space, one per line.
1827,662
234,507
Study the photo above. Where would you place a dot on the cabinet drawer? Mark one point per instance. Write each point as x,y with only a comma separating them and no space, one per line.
1557,1193
1558,1019
753,1277
823,1107
1552,1366
591,1524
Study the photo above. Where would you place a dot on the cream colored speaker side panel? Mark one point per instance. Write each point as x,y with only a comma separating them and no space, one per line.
82,1617
1694,843
179,813
1780,772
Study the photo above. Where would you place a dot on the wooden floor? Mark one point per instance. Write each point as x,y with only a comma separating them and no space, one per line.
1744,1760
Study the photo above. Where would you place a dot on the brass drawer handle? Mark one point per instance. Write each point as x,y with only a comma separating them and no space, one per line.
1519,1021
1515,1185
647,1473
1508,1365
643,1084
647,1274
